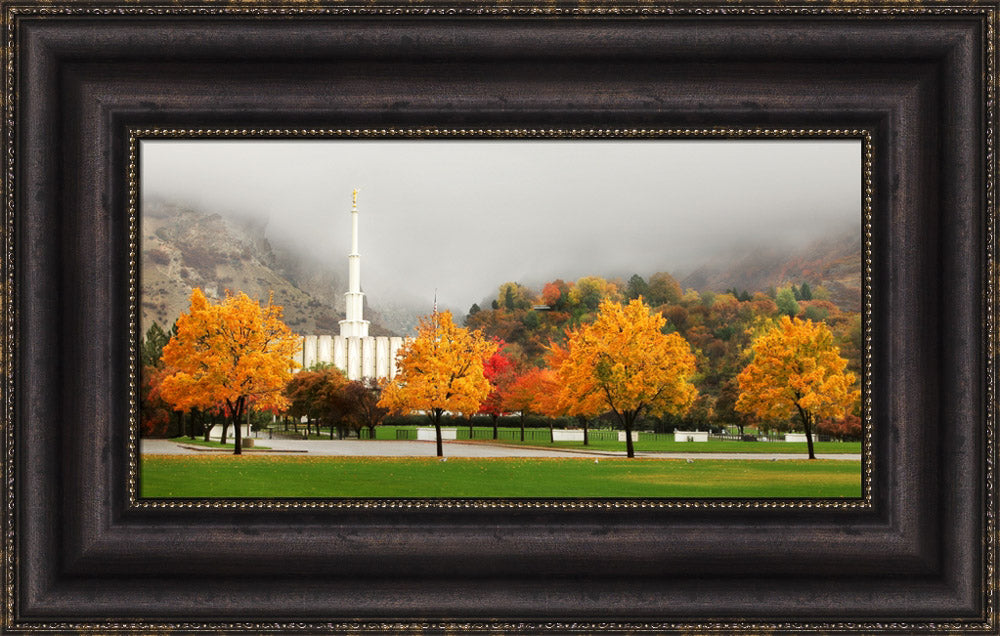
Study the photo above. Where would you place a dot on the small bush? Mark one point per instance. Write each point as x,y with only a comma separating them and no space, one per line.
157,256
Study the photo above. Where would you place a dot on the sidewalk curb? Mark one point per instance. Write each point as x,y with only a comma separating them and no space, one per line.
204,449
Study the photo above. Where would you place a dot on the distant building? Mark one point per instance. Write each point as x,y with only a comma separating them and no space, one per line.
354,352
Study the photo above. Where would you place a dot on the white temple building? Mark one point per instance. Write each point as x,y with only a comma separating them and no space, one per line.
354,352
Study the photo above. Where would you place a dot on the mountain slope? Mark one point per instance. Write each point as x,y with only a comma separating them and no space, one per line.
184,248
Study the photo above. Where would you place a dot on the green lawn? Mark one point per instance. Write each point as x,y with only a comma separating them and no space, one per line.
711,446
283,476
666,444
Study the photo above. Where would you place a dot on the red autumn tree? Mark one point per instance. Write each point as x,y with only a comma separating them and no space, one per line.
501,371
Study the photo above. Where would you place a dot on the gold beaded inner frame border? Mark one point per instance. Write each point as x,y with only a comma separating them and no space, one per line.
137,135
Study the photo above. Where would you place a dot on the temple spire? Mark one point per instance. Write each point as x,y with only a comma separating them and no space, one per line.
354,325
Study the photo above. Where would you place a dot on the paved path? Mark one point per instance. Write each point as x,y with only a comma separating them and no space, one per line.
347,448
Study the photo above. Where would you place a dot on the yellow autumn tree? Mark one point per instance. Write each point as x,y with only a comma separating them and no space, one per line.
229,355
440,370
797,369
624,357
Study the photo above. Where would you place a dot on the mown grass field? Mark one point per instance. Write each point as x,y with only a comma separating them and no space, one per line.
711,446
212,476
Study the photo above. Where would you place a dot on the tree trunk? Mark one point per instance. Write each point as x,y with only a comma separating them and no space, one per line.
627,418
809,436
207,432
495,418
436,418
225,430
522,426
470,429
807,424
583,423
237,437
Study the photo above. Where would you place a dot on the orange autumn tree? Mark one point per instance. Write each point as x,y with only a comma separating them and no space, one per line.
440,370
230,355
624,357
797,368
570,393
524,395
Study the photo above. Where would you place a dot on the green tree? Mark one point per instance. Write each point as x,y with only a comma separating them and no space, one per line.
785,300
816,313
663,290
636,287
151,349
589,291
514,296
154,414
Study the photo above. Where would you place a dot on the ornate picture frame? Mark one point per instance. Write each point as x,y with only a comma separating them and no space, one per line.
917,553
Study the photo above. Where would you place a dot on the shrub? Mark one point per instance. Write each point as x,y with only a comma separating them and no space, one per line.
157,256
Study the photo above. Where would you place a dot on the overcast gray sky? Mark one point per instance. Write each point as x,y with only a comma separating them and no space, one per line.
464,216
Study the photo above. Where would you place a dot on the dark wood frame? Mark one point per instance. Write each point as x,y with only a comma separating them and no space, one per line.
77,555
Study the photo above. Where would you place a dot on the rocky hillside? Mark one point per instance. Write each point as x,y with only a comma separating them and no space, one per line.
184,248
833,262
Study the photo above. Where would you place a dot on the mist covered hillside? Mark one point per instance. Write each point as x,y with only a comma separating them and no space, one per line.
832,262
184,248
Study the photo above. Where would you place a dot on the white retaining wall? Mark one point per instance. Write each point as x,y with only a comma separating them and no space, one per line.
428,434
690,436
571,435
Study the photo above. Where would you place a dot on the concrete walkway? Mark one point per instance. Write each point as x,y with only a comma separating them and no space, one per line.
389,448
355,448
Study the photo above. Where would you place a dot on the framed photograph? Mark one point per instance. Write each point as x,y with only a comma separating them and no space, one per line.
357,414
554,197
